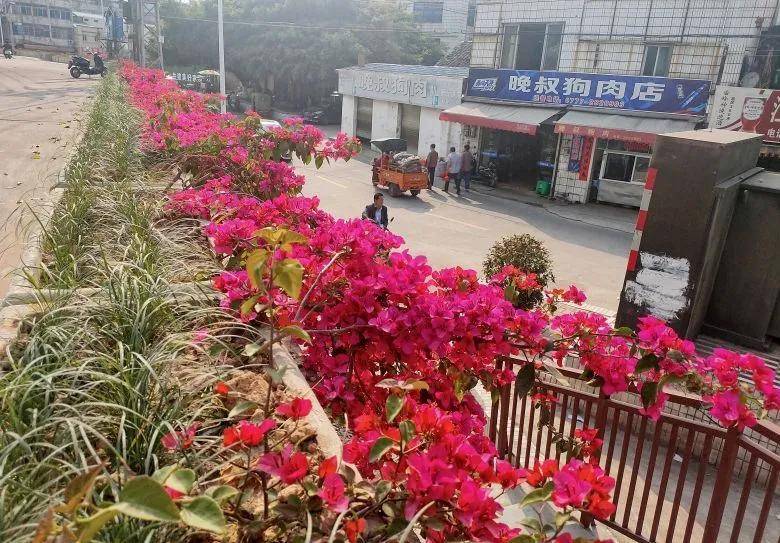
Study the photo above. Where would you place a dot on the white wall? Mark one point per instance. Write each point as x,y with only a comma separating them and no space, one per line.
385,119
605,36
348,114
453,28
443,133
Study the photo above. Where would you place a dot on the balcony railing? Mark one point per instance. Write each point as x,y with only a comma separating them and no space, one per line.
678,479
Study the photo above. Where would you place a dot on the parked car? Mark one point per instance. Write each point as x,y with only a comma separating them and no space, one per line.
267,125
330,113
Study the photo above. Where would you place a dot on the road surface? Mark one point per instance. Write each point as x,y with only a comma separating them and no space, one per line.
459,231
40,109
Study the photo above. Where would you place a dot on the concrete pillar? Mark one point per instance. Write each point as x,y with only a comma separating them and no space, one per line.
677,236
385,119
348,114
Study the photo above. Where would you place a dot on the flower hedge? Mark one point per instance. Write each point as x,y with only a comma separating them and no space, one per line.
393,347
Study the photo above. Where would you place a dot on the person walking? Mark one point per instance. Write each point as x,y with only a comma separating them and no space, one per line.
430,163
466,168
453,170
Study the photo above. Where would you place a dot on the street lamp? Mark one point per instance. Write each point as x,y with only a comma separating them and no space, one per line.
222,105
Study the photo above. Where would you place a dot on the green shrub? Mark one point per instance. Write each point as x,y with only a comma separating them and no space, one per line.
527,254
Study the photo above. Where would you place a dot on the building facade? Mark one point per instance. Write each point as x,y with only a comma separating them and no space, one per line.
57,28
591,141
400,101
451,21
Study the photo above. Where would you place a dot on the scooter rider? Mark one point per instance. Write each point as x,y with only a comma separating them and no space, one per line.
377,212
8,50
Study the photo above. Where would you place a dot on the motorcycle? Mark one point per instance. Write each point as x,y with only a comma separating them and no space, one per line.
488,173
8,53
79,65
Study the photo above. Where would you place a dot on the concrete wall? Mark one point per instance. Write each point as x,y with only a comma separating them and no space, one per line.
453,28
606,36
385,119
443,133
348,114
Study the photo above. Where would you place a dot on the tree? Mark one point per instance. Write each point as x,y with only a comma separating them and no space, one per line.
293,47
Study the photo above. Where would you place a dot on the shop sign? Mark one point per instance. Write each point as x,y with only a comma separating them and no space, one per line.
605,91
427,91
575,154
756,111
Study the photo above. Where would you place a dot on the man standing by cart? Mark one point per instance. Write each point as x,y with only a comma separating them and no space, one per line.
430,163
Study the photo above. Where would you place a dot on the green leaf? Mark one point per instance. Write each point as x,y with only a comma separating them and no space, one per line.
380,448
256,265
532,523
288,275
90,526
393,406
624,331
251,349
382,489
241,407
248,305
181,480
203,513
407,431
276,374
318,161
647,362
296,331
525,380
524,538
561,519
145,499
649,393
280,236
538,495
162,474
78,488
221,493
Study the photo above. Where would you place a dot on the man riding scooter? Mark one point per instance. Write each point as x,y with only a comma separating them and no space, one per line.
377,212
8,50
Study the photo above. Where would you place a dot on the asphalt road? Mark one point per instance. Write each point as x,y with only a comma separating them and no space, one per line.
459,231
40,109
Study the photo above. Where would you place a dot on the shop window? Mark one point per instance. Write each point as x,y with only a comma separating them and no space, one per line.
620,166
428,12
534,46
657,59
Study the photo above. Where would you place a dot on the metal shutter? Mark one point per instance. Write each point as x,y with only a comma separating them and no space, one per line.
410,126
365,109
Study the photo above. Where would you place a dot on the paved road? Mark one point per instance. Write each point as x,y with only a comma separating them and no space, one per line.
40,107
454,231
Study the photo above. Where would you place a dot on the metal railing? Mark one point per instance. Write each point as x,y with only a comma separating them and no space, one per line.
678,479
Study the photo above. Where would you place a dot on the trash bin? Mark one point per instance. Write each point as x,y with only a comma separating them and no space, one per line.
543,187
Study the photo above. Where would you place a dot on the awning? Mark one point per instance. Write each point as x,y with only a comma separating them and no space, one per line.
619,127
523,119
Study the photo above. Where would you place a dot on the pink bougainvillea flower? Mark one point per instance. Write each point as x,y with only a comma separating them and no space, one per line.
247,433
353,528
222,388
288,466
173,493
328,467
295,409
332,493
730,410
180,440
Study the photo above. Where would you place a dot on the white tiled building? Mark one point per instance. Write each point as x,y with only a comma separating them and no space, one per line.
449,20
714,40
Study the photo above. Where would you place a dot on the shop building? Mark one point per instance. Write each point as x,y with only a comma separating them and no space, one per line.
401,101
581,89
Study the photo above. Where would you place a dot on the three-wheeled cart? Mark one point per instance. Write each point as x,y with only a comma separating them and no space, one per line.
397,182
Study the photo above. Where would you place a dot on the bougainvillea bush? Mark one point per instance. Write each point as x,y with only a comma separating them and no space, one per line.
393,347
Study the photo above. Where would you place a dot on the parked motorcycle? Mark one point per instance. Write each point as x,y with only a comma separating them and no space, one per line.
79,65
488,173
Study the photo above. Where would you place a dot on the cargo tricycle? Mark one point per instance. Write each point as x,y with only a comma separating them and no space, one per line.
398,179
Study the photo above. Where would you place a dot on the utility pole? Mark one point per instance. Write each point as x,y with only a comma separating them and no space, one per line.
222,105
140,31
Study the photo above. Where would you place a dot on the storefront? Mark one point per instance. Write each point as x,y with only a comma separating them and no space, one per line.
590,134
391,101
751,110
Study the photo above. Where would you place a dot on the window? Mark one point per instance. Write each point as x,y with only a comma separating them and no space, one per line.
624,166
472,15
428,12
535,46
61,33
24,9
657,60
59,13
40,11
18,29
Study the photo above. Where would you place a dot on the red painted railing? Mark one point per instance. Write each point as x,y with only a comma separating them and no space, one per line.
678,479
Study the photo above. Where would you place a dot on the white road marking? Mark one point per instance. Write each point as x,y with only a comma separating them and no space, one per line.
331,181
457,221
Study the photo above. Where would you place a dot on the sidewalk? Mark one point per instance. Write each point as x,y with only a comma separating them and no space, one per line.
605,216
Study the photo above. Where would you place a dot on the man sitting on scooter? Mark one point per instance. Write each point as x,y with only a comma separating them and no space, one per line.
377,212
8,50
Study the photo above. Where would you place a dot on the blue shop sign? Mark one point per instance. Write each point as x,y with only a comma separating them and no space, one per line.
606,91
